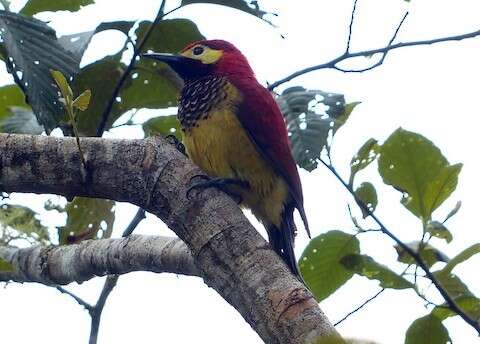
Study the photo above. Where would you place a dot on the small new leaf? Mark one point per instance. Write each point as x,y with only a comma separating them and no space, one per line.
63,86
366,195
366,155
438,230
83,100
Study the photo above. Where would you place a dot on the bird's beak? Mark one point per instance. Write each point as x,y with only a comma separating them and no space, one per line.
184,66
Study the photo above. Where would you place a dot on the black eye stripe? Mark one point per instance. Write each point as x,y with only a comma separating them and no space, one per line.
198,50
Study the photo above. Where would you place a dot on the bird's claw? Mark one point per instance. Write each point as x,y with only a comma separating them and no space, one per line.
220,183
172,139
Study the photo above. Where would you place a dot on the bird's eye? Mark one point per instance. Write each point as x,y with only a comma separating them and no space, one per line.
198,51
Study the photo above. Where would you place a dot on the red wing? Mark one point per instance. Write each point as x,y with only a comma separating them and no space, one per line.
260,115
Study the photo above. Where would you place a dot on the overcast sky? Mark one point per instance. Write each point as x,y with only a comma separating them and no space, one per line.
432,90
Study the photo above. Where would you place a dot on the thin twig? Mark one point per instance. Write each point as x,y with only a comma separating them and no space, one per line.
110,282
79,300
384,55
350,27
359,307
96,312
418,259
332,64
136,52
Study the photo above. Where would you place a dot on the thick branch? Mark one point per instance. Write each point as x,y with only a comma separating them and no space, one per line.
80,262
366,53
233,258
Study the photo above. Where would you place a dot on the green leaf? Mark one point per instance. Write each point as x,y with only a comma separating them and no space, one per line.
11,95
163,125
83,100
320,262
429,254
23,220
438,230
153,84
100,77
461,257
367,194
414,165
311,116
428,329
248,6
453,211
88,218
64,87
5,266
468,304
36,6
364,265
452,284
366,155
33,51
342,119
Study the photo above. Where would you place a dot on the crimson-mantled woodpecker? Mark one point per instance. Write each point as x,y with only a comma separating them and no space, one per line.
233,129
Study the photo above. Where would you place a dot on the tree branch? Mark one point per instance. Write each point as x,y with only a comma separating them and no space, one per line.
345,56
416,256
230,254
79,300
61,265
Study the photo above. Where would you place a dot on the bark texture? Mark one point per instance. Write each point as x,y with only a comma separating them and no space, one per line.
232,257
80,262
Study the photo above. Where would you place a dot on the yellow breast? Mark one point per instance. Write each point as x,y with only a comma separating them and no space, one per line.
220,146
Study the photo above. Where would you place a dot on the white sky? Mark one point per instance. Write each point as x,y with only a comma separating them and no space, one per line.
432,90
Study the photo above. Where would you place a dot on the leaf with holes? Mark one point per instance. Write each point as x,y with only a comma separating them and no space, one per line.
320,262
87,218
414,165
364,265
36,6
428,329
311,116
461,257
367,195
248,6
33,50
438,230
429,254
24,221
163,125
365,156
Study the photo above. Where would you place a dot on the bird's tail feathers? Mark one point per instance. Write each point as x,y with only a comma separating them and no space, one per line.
282,241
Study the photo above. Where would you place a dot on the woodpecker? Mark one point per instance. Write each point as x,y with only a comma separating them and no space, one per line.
233,129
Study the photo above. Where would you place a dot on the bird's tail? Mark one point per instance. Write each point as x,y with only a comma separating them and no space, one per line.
282,241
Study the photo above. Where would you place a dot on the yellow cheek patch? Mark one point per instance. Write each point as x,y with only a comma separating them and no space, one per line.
209,56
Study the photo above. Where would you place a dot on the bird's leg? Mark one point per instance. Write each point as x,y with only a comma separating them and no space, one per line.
172,139
219,183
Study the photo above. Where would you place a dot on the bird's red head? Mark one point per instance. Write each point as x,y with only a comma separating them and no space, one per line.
207,57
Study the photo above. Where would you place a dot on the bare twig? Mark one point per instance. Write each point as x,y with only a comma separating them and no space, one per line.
384,55
350,27
359,307
96,312
79,300
333,63
110,283
416,256
136,52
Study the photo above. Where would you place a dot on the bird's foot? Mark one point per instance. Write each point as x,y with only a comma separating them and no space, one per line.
172,139
219,183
